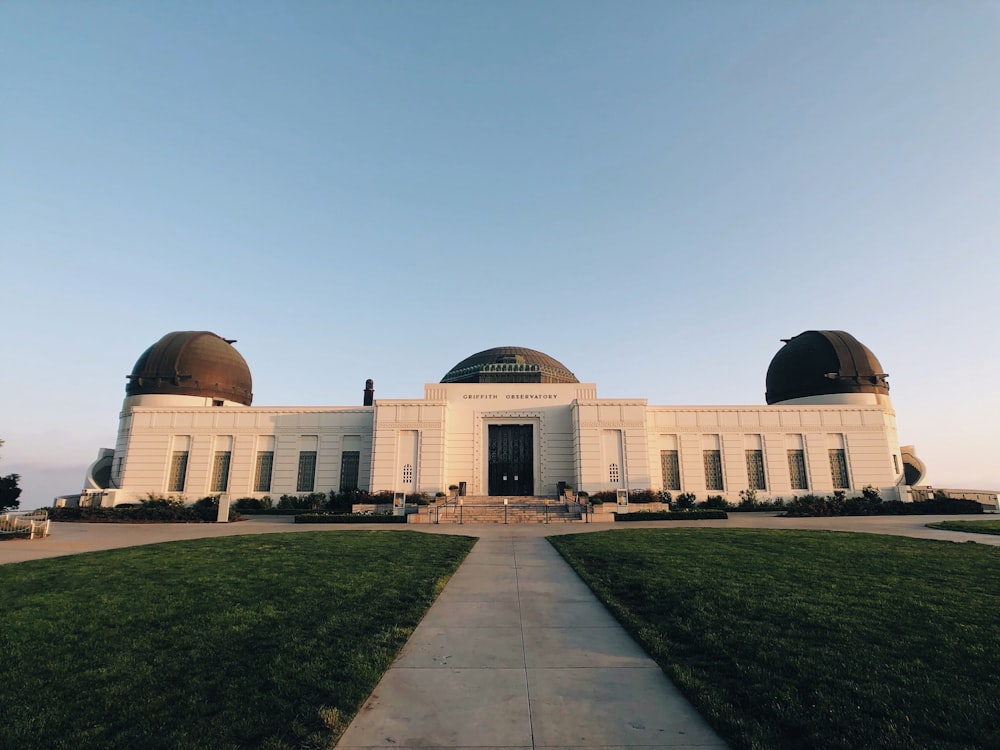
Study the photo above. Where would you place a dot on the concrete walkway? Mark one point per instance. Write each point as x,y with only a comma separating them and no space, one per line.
517,653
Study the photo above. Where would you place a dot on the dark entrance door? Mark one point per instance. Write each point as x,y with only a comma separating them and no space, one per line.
511,460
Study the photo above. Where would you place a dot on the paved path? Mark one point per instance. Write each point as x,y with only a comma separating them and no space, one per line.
518,653
74,538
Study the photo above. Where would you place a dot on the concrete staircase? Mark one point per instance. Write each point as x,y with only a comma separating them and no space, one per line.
486,509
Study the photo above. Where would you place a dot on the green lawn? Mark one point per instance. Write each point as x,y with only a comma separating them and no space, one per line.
787,639
974,527
269,641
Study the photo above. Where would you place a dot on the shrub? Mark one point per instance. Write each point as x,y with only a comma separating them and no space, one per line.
155,508
670,515
207,508
312,501
604,496
686,500
349,518
714,502
750,502
643,497
342,502
866,505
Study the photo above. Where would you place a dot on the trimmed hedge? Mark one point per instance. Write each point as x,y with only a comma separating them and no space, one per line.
839,505
348,518
155,510
671,515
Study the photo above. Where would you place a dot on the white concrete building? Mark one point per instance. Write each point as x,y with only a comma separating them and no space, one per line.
507,421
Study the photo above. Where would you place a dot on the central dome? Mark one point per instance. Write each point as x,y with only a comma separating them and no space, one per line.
509,364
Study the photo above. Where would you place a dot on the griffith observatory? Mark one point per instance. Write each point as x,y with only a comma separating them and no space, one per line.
507,421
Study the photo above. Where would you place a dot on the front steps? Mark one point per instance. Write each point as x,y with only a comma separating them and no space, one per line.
485,509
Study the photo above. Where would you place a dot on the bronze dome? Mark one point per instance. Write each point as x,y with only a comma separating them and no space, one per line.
192,363
509,364
822,363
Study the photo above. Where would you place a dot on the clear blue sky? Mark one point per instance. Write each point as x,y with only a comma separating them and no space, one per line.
654,193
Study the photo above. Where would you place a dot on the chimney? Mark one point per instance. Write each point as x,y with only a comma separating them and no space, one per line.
369,392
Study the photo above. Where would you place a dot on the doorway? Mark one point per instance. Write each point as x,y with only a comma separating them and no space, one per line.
511,459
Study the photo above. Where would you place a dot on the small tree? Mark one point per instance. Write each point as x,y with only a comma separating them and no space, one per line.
9,491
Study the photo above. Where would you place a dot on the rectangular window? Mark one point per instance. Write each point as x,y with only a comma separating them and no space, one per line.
671,467
178,471
838,468
797,469
895,463
713,469
262,475
307,471
755,470
349,462
220,471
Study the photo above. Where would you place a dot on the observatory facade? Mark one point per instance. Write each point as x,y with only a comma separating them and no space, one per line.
507,421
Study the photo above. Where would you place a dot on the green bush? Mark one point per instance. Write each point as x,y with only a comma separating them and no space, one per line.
643,497
155,508
253,503
714,502
686,500
311,501
342,502
670,515
867,505
349,518
749,502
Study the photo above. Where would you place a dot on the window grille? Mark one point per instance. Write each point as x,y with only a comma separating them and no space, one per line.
613,474
755,470
262,475
797,469
838,467
407,473
349,462
220,471
713,469
670,464
307,472
178,471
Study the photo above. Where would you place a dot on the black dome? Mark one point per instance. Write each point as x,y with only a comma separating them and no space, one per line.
192,363
822,363
509,364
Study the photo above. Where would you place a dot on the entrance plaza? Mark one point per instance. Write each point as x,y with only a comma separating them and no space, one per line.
516,652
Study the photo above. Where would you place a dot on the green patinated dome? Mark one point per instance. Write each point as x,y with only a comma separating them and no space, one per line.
509,364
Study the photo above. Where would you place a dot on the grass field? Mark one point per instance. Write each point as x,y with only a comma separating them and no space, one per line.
786,639
974,527
268,641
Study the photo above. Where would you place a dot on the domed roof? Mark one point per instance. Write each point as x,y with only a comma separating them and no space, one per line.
821,363
509,364
192,363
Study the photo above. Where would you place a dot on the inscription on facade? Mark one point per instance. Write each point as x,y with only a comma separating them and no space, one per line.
509,396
